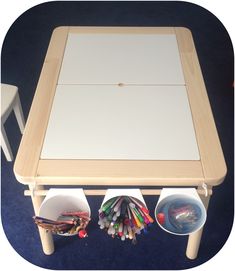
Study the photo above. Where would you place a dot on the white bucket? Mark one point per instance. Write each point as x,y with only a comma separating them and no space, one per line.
127,222
60,200
180,211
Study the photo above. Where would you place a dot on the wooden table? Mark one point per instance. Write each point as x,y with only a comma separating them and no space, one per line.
120,106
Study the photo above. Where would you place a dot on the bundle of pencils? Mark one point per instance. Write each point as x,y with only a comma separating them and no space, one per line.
124,217
67,223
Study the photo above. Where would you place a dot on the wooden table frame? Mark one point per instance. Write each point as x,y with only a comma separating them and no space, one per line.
35,172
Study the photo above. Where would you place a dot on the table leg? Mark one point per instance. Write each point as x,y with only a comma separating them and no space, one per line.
46,237
194,239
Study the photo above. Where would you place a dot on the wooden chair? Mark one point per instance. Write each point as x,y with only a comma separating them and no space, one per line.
10,101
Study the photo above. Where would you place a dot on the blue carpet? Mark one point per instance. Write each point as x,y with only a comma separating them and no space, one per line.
23,53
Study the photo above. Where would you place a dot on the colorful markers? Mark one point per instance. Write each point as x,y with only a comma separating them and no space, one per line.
66,223
124,217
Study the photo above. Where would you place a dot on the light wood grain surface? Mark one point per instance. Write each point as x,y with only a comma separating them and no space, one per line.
212,158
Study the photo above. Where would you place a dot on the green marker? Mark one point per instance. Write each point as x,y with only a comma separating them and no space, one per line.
138,215
110,215
116,226
108,204
140,218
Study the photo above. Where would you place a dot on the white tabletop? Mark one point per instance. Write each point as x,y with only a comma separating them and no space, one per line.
148,118
121,58
111,122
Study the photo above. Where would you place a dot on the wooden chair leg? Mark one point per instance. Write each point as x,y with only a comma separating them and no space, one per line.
19,113
5,144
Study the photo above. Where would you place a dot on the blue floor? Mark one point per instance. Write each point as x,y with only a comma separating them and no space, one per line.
23,53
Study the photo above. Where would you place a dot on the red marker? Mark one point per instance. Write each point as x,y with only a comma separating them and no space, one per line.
144,210
140,206
126,221
120,229
82,234
161,218
120,234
